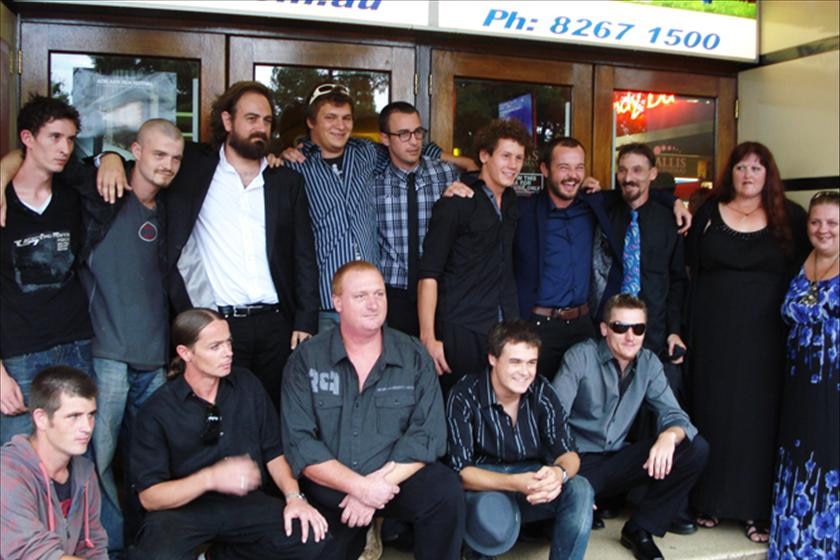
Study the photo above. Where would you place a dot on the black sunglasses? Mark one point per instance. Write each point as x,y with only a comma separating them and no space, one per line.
620,328
212,426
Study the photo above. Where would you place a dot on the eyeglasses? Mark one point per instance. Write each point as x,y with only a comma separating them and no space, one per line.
324,89
830,195
212,426
405,135
620,328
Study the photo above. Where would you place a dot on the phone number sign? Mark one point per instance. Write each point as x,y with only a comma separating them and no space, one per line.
613,24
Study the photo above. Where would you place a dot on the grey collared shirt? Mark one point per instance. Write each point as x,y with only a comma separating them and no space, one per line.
599,414
397,416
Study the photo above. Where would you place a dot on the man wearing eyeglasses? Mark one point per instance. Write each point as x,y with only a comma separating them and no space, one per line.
340,172
603,384
405,191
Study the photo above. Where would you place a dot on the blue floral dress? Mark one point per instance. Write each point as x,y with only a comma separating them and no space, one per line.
806,495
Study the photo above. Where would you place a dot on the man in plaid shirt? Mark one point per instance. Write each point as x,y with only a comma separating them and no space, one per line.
397,215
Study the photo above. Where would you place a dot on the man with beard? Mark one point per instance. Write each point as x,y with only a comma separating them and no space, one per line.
553,255
239,237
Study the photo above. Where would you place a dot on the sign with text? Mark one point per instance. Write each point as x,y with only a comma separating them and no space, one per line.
707,28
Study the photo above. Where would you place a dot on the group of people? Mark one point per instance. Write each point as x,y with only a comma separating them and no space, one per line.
381,330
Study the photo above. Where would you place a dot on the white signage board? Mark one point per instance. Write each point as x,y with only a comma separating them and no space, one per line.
650,25
616,24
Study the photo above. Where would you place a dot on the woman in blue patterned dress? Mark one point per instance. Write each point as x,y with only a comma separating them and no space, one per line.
806,494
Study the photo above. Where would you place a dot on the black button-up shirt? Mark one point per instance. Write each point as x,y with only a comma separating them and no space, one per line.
663,276
397,415
167,441
469,251
481,432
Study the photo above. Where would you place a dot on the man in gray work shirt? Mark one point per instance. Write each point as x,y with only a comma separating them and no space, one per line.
603,384
363,426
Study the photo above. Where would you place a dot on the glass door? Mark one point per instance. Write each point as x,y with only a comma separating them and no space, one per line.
688,121
119,77
549,98
375,76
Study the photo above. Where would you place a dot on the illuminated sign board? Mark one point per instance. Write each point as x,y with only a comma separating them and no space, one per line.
725,29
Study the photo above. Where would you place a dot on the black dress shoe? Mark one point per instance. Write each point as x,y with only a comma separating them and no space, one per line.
597,522
682,527
641,543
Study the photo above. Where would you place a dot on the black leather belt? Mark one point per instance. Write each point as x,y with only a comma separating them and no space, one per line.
247,310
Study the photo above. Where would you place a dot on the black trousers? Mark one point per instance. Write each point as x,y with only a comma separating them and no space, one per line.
616,472
243,528
465,351
558,335
432,500
262,344
402,311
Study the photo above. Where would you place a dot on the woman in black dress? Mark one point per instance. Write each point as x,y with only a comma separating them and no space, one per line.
742,251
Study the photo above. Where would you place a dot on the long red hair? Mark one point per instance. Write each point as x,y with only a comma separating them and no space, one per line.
772,196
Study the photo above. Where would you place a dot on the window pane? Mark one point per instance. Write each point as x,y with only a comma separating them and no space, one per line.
544,110
679,129
116,94
292,84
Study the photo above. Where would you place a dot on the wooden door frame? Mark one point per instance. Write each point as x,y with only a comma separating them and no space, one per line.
611,78
447,65
398,61
38,40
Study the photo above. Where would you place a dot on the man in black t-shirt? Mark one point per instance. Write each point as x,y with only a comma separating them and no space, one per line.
43,309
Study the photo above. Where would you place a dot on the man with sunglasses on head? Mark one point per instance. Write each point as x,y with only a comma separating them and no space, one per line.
340,172
204,445
603,384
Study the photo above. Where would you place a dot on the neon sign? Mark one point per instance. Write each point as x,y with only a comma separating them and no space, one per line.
636,103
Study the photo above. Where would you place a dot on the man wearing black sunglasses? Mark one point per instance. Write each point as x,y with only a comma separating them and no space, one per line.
603,384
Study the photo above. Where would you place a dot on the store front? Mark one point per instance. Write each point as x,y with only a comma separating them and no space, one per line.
460,63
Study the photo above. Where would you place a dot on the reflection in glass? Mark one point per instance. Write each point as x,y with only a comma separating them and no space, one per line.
116,94
544,110
680,130
292,84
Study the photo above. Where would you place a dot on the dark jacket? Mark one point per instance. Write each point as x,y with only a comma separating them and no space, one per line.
290,245
529,247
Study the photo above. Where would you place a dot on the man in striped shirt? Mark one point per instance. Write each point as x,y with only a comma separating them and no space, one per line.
508,433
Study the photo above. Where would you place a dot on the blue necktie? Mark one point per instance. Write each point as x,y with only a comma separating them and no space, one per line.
632,282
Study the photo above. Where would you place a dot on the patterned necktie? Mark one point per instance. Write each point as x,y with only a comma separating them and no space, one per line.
413,235
632,282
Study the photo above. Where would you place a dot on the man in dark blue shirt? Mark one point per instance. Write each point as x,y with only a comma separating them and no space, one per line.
553,253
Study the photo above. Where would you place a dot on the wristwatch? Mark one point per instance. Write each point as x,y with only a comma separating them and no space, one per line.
565,473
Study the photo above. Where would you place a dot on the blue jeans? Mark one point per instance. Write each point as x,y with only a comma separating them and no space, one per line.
571,510
23,369
122,390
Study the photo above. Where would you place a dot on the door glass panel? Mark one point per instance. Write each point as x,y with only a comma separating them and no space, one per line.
116,94
679,129
544,110
291,84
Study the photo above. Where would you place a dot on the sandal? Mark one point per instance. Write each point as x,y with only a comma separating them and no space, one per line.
707,521
757,531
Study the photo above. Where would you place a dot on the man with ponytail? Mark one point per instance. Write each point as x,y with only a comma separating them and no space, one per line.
203,446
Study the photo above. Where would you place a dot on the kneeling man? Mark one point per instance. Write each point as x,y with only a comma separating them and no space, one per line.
363,422
603,383
50,500
202,443
508,433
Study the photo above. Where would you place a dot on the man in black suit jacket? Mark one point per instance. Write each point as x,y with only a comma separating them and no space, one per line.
239,237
